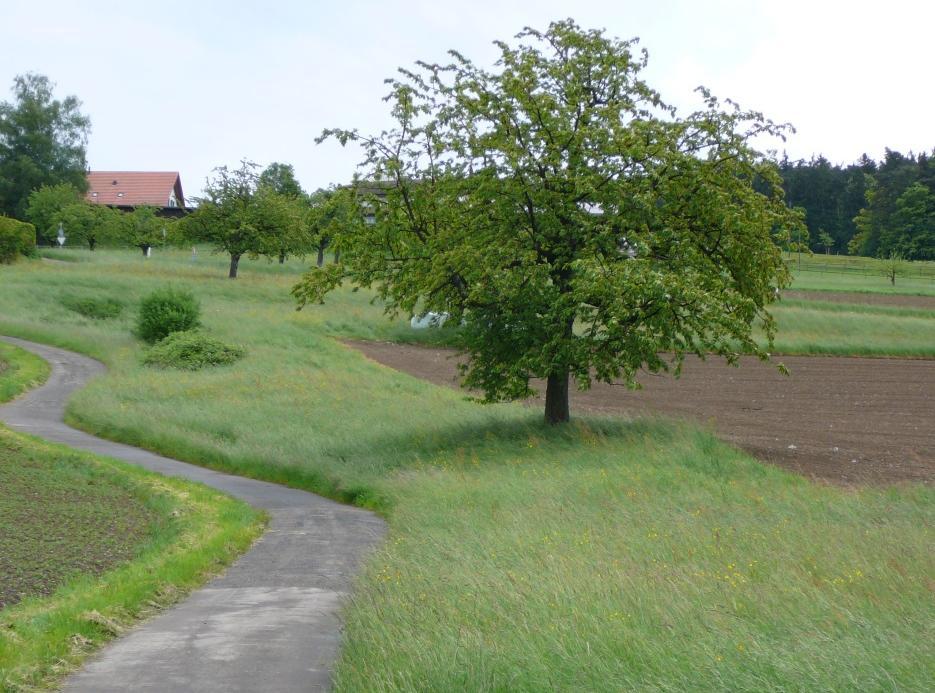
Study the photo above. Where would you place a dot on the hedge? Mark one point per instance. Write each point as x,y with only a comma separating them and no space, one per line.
16,238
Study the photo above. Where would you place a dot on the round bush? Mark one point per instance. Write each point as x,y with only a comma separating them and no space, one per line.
166,311
191,351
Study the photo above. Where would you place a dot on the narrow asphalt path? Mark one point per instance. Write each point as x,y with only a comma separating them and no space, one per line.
270,622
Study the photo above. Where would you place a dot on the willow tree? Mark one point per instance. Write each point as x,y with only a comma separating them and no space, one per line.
569,220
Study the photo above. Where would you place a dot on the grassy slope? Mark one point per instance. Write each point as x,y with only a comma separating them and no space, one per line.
19,371
602,555
66,516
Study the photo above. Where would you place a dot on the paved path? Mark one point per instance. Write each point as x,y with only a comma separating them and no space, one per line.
270,623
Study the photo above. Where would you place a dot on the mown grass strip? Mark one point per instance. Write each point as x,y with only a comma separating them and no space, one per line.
19,371
198,532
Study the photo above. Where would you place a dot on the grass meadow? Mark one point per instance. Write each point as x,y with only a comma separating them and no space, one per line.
603,555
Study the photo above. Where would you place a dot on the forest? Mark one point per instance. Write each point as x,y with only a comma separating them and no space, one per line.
870,208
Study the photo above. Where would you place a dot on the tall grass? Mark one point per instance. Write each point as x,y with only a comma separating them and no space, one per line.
605,555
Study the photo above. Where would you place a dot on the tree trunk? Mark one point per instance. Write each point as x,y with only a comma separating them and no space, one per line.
145,249
91,243
282,257
321,255
556,399
235,260
337,256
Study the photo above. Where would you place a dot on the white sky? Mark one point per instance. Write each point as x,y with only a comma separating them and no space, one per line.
192,85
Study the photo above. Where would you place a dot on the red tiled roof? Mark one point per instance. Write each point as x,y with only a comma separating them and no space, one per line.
134,188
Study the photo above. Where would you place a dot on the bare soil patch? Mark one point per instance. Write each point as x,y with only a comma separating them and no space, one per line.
843,420
898,300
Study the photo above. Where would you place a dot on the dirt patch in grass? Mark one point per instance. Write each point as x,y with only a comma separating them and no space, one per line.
899,300
843,420
59,517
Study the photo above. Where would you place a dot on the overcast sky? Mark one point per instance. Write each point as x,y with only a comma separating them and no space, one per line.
192,85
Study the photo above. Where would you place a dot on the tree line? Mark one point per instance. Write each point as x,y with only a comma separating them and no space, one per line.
870,208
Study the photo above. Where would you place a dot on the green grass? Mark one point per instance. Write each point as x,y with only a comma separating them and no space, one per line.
851,329
19,371
858,274
154,538
604,555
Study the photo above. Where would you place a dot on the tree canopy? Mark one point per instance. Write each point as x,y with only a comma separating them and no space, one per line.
561,211
240,217
42,142
862,206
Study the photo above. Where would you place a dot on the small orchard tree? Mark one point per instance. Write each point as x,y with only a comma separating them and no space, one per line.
826,240
280,178
84,222
140,228
240,217
894,265
332,214
576,225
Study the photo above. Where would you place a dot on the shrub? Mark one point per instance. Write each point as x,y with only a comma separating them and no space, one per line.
166,311
16,238
96,307
191,351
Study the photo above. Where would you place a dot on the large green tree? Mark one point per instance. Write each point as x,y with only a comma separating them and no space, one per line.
567,216
240,217
42,142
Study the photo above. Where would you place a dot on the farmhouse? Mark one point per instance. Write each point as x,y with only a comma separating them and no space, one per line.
129,189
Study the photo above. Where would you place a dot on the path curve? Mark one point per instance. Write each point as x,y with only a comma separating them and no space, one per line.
270,622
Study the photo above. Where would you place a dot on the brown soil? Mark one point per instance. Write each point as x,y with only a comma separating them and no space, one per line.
844,420
899,300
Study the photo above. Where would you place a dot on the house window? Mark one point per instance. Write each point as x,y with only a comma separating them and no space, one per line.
171,202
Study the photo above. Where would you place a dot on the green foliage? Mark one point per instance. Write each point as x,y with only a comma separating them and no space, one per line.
16,238
42,142
240,217
165,311
191,351
95,307
894,266
565,213
280,178
899,210
332,214
140,228
44,208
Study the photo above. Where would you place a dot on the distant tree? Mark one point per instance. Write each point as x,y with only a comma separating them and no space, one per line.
44,207
576,225
913,223
240,217
140,228
826,240
91,224
42,142
894,265
280,178
333,214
